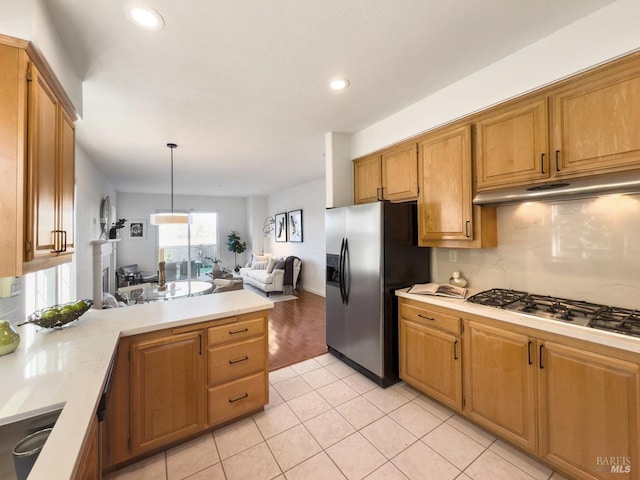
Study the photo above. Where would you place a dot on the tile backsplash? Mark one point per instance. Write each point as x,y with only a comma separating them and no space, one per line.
579,249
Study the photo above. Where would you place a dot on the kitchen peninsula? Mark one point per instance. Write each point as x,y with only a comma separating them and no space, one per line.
68,368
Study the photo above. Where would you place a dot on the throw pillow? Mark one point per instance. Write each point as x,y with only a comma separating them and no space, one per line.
279,265
272,264
259,265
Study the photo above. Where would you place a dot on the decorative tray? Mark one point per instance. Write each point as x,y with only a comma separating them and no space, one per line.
59,315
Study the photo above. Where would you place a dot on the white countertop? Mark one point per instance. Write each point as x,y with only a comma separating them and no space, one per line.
602,337
67,367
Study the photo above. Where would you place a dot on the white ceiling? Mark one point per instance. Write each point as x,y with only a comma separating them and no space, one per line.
241,85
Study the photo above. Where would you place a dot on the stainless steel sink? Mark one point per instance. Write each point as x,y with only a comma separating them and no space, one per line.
12,433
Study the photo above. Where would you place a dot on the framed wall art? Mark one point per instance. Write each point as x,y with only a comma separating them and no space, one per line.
137,229
294,219
281,227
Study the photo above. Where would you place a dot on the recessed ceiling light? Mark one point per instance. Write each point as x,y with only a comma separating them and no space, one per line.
339,84
143,16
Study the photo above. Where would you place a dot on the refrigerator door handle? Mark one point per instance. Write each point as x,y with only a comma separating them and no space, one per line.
344,271
340,270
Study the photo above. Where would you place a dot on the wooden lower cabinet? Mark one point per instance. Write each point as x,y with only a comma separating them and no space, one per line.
589,413
500,382
233,399
238,363
88,467
167,383
574,404
172,384
430,355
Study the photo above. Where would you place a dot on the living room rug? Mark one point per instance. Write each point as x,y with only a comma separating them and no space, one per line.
273,296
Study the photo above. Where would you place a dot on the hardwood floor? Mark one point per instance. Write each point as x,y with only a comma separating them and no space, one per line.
297,330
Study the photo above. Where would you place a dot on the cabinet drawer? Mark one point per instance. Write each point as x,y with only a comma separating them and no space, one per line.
232,332
431,318
233,399
236,360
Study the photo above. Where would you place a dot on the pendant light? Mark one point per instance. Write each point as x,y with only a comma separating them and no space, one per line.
167,218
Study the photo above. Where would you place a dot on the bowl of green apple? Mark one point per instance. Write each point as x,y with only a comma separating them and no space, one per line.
59,316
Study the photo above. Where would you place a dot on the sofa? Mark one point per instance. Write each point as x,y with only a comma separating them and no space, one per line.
267,273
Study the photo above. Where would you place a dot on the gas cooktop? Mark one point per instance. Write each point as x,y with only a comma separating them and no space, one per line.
614,319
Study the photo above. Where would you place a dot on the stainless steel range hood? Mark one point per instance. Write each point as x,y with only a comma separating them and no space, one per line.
564,189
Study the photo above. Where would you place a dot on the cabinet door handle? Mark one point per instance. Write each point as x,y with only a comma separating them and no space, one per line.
57,242
64,241
200,342
542,163
232,400
233,362
541,347
529,352
426,318
455,350
238,331
466,228
557,160
381,193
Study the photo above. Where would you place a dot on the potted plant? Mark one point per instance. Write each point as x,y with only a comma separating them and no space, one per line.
113,231
235,245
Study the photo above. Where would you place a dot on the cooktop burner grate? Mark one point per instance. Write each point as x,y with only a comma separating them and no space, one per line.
497,297
619,320
579,312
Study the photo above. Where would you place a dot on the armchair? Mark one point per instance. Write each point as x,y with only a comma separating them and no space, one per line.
131,275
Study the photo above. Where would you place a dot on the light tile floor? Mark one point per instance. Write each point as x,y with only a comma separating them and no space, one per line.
325,421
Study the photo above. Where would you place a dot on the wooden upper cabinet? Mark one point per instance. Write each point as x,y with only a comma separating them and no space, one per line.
500,377
37,156
66,178
444,205
595,122
13,94
391,174
400,172
42,179
512,145
594,398
50,177
167,390
367,177
446,215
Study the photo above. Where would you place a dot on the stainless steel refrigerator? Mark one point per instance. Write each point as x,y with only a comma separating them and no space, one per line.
371,252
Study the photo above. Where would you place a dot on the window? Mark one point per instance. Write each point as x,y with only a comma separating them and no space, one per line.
48,287
189,249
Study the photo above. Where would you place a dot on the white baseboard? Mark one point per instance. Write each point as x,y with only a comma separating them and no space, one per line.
315,292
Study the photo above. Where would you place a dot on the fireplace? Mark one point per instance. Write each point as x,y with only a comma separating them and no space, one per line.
104,262
105,279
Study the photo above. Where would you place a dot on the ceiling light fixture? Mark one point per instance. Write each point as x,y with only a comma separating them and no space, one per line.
143,16
339,84
166,218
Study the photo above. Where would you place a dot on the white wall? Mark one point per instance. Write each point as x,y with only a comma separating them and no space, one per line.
339,170
30,20
232,216
256,216
605,34
310,197
91,187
